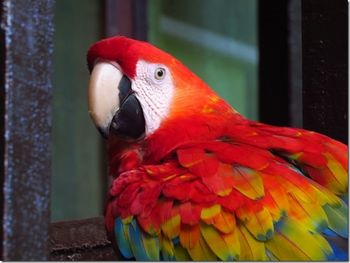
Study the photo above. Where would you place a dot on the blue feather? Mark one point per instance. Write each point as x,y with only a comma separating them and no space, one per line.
121,234
339,254
329,233
345,198
136,242
176,240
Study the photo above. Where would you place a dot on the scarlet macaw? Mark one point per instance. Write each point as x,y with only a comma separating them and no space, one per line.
195,180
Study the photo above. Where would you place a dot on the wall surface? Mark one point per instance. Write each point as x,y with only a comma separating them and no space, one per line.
76,164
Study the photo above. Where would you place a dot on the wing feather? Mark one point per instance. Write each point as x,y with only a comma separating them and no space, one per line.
251,249
123,238
216,242
257,193
293,241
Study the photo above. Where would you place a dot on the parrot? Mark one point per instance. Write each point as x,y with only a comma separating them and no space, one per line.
193,179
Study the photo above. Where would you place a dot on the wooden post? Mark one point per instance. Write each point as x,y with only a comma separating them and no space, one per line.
325,67
127,18
26,44
274,84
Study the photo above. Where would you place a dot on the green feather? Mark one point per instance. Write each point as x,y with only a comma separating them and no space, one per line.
338,218
151,245
181,253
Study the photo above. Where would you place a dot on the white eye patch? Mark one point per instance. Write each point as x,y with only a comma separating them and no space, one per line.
154,89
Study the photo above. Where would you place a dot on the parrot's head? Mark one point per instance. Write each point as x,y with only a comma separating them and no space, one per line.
137,89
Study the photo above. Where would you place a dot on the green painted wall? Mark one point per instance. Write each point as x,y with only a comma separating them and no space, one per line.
233,78
76,185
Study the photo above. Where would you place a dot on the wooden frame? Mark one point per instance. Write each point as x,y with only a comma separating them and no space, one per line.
325,67
27,34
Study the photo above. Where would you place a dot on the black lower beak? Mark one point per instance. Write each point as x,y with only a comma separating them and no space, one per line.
129,121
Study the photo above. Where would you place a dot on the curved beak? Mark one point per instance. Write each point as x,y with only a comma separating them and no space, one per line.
112,104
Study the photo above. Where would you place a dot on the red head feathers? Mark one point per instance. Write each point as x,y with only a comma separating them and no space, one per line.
126,52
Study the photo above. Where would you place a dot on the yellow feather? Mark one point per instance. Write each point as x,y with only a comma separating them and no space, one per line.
259,223
294,242
201,251
251,249
279,195
225,222
275,212
216,242
302,191
232,241
325,196
171,227
311,214
323,243
225,192
151,245
248,182
167,246
127,220
208,214
339,173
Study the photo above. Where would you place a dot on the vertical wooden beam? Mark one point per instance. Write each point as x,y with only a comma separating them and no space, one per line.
295,63
127,18
325,67
280,62
274,82
2,125
118,18
140,25
27,27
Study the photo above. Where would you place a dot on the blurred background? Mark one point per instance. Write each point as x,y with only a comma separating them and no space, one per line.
215,39
280,62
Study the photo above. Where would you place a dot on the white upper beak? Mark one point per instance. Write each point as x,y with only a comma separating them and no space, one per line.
103,94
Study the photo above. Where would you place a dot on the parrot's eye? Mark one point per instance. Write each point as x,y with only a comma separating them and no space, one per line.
159,74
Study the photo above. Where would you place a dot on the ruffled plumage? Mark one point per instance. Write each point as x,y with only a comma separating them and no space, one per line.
263,194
